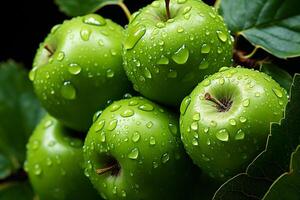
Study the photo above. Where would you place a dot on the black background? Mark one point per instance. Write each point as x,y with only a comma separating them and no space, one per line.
24,24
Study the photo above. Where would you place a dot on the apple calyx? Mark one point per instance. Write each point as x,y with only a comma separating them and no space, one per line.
222,105
49,50
168,9
113,167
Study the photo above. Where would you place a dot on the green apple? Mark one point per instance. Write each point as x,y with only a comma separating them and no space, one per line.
78,68
225,121
133,151
165,57
54,163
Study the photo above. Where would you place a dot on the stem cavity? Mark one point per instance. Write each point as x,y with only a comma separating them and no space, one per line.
222,105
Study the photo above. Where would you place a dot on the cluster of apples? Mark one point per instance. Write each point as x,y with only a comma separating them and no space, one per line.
173,53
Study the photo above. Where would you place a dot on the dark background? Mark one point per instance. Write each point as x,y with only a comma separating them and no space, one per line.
24,24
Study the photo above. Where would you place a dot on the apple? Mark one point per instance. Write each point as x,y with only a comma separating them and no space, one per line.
225,121
54,163
169,49
133,151
78,68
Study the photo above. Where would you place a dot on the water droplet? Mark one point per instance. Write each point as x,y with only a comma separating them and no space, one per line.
181,1
37,170
206,82
172,74
152,141
187,16
246,102
240,135
208,141
181,55
100,42
94,20
147,73
98,126
136,136
206,129
96,115
112,125
149,124
134,154
243,119
60,56
51,143
205,158
32,73
184,105
194,126
163,60
68,91
123,193
110,73
35,144
196,116
114,190
165,158
160,25
146,107
187,9
102,136
74,69
180,29
115,107
222,135
257,94
127,113
213,123
277,92
212,15
134,36
155,164
232,122
55,28
222,36
173,128
133,102
85,34
194,142
203,65
205,48
221,81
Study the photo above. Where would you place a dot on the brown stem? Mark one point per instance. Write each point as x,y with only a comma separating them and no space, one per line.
168,8
49,50
208,97
106,169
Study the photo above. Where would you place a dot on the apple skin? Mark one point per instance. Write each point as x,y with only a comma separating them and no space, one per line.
164,59
84,72
144,139
224,143
54,163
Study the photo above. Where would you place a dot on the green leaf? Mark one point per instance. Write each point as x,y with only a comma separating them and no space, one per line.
16,190
287,186
281,76
19,113
273,25
273,161
82,7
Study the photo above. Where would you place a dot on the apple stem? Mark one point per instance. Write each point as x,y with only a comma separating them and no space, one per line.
168,8
49,50
125,9
106,169
208,97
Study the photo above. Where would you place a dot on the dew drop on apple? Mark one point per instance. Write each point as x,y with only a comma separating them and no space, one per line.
60,56
163,60
155,164
114,190
195,142
277,92
187,16
96,115
74,69
115,107
123,193
173,129
222,135
212,15
221,81
246,102
185,104
110,73
133,102
112,125
55,28
155,4
134,36
37,170
213,123
187,9
127,113
149,124
136,136
152,141
160,25
35,144
90,20
180,29
205,48
134,154
146,107
32,73
172,74
181,55
51,143
194,126
147,73
85,34
165,158
203,65
240,135
243,119
196,116
232,122
208,141
102,136
68,91
181,1
257,94
205,158
222,36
